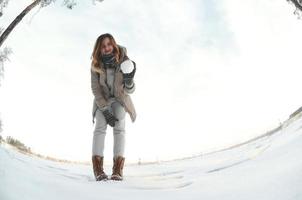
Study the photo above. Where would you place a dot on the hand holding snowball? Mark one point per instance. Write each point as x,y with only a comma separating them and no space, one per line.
128,68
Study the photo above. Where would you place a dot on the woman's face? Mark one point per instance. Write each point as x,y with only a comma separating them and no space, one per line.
106,46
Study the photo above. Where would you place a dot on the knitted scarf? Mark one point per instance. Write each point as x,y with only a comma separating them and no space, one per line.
109,60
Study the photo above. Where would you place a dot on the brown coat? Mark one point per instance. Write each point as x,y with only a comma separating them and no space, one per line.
101,93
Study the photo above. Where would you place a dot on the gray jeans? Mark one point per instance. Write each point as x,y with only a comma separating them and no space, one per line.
100,128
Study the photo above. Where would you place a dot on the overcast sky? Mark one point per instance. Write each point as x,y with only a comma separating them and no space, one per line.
209,74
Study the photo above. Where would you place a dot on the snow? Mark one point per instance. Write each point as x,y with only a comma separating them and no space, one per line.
127,66
269,168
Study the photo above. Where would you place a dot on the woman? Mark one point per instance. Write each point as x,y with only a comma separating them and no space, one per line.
111,84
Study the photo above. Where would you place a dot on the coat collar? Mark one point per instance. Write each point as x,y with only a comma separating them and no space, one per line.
121,57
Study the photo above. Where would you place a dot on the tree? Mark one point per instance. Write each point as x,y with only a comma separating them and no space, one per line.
5,32
298,6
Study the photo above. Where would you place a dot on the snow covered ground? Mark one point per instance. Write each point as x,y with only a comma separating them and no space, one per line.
269,168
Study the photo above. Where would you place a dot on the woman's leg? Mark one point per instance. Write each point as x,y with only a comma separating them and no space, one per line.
119,129
99,134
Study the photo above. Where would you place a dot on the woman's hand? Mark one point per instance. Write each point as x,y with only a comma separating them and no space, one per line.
110,118
128,77
128,68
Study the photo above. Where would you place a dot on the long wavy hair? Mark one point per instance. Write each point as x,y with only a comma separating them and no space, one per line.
96,63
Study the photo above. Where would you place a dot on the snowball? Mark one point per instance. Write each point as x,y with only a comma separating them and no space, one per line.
127,66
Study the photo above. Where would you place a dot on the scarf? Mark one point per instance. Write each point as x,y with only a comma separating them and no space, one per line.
109,60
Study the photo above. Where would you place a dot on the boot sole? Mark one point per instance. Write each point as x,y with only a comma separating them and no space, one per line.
102,178
116,178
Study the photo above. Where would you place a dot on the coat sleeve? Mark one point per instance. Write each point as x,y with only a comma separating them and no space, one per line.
101,102
131,87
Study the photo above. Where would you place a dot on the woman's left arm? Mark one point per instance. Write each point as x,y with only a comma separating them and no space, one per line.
129,87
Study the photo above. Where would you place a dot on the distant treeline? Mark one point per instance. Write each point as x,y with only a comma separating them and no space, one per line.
16,143
296,112
23,148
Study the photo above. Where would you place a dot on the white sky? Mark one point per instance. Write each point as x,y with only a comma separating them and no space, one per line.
209,74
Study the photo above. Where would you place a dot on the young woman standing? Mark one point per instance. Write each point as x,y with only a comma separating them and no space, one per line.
112,74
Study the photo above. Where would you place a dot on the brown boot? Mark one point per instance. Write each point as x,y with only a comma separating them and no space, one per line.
97,162
117,169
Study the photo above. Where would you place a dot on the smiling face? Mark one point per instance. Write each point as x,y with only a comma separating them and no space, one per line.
106,46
